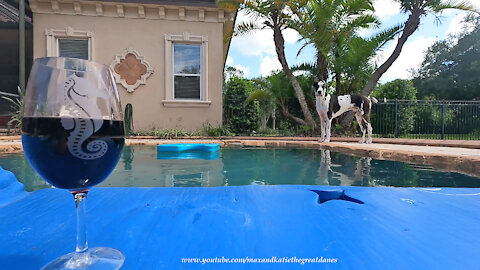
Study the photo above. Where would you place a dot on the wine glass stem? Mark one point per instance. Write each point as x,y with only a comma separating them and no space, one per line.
82,244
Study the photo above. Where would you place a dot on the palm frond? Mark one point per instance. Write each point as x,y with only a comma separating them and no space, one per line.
453,4
246,27
303,47
381,38
258,95
229,4
309,67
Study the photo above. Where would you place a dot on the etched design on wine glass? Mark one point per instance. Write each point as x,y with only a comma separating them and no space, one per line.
82,117
73,136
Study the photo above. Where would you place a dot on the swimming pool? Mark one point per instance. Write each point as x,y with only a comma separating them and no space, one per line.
139,167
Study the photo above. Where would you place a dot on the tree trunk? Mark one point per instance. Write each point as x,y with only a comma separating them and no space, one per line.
291,117
280,49
338,81
274,118
322,71
410,27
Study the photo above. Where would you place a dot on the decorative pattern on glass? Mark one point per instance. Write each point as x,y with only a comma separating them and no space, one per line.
82,117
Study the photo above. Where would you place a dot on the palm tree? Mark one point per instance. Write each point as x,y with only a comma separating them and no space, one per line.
416,10
352,65
266,101
329,25
275,91
272,14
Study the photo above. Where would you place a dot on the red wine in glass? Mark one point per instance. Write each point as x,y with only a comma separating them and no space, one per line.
72,136
45,145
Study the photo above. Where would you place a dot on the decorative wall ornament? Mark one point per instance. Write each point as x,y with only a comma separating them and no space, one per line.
131,69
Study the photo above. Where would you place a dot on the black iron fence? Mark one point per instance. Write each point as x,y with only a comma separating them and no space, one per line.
427,119
421,119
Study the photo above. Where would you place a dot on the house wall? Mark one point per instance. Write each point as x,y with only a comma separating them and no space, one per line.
112,35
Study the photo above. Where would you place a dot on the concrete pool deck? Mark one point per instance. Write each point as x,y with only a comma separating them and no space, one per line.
451,155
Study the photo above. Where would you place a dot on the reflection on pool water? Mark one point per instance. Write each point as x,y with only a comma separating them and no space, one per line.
139,167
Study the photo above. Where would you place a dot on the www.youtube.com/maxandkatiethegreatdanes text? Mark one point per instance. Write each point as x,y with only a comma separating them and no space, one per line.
273,259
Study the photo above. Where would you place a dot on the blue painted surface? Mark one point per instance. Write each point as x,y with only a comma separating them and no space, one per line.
188,155
394,228
183,147
10,188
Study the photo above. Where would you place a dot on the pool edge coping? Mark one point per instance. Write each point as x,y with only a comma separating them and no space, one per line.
451,162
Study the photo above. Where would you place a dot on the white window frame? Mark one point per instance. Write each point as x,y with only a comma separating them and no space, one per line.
186,38
53,35
186,75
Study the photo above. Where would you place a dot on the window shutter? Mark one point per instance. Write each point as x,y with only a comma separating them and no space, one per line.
73,48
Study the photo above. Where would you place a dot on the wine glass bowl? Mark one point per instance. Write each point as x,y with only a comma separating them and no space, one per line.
73,135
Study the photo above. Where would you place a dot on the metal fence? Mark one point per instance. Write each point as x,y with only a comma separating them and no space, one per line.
425,119
421,119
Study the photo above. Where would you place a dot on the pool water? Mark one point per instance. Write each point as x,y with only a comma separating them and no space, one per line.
139,167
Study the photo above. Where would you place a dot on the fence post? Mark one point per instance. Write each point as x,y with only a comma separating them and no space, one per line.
443,121
396,118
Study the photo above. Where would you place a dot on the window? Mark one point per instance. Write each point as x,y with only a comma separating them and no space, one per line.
70,42
186,71
73,48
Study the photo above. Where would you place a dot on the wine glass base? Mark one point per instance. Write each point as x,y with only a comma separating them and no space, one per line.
96,258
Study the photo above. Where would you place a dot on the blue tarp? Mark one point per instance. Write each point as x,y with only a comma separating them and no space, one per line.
359,227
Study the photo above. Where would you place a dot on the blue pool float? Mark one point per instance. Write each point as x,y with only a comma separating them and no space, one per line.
189,147
207,151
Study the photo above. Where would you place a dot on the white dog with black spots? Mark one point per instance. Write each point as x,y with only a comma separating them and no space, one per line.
331,106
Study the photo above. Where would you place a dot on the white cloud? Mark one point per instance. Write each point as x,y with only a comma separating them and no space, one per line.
457,25
229,61
244,69
383,10
269,64
290,35
411,56
364,32
259,42
386,8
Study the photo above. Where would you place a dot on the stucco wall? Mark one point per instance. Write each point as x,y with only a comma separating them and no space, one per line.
113,35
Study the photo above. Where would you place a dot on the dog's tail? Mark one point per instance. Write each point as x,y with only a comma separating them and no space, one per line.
372,99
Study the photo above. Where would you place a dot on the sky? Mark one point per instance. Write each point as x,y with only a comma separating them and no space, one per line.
255,55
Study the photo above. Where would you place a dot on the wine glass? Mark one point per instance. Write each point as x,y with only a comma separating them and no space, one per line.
73,135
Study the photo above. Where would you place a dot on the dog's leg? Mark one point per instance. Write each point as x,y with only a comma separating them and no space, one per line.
324,168
329,130
322,130
369,130
328,158
360,119
323,126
